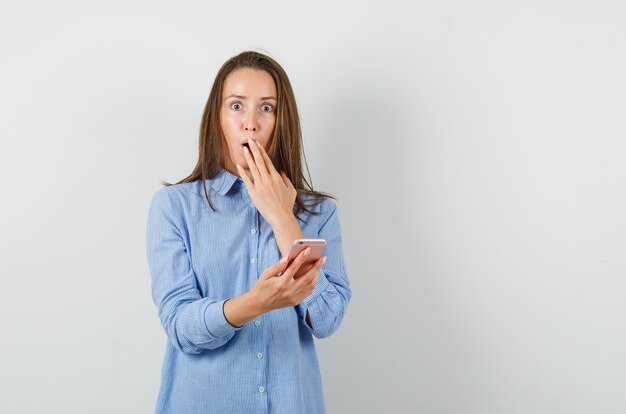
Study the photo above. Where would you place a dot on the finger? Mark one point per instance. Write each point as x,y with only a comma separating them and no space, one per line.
268,161
296,263
304,269
252,165
308,286
311,275
244,176
258,158
305,282
275,270
312,283
287,180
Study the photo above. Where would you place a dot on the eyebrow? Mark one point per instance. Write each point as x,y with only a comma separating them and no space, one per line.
243,97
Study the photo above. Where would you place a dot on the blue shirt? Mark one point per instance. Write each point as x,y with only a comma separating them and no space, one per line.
198,258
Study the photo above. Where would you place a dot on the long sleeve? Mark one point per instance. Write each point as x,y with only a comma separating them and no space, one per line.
193,323
329,300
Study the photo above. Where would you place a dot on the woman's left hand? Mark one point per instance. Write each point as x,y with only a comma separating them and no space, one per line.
272,192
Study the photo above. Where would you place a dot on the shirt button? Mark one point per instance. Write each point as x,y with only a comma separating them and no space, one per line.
253,231
261,388
252,260
259,355
257,323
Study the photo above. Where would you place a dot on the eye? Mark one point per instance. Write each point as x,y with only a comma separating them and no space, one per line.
236,106
267,108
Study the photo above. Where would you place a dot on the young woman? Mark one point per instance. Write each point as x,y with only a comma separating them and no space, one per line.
241,320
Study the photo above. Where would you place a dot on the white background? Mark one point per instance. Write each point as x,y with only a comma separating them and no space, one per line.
478,151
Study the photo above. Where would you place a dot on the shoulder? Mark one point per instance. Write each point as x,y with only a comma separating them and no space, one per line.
319,205
327,207
172,198
323,211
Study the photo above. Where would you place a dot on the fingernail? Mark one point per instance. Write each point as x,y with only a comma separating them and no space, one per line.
307,251
245,149
324,260
283,260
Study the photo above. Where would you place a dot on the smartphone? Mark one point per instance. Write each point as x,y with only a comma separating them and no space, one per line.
317,248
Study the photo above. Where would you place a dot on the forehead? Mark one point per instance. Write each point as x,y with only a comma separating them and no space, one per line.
251,83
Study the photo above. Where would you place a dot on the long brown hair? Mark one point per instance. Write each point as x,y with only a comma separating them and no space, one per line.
285,149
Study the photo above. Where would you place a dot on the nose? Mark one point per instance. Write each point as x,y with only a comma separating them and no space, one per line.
250,123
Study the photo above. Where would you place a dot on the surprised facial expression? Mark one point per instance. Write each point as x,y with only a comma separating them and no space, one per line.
248,110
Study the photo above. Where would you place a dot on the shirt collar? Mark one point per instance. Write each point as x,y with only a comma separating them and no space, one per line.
223,181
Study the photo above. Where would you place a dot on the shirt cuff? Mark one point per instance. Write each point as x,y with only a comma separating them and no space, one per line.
216,323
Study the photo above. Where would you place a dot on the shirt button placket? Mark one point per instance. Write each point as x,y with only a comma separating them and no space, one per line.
255,241
255,233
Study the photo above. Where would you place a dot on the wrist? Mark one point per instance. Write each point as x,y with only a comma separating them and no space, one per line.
286,231
282,220
255,304
241,309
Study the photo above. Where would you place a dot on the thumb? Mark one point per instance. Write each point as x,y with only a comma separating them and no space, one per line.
276,269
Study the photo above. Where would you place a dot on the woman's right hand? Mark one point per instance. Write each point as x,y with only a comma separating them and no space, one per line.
275,292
